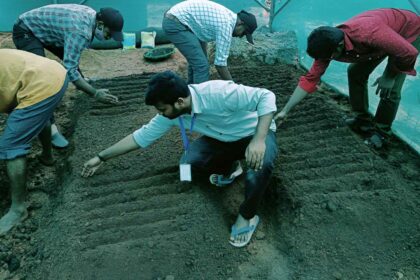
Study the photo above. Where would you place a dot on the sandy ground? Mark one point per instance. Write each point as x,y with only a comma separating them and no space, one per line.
335,208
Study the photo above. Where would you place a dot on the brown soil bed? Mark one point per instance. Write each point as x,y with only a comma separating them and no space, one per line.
335,208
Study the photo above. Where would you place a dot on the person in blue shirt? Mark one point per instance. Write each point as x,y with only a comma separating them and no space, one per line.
236,122
66,30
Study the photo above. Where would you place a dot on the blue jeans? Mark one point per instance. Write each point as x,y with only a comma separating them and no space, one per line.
208,155
191,48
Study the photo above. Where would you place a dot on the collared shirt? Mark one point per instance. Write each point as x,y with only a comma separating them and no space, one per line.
223,110
27,79
63,25
373,35
210,22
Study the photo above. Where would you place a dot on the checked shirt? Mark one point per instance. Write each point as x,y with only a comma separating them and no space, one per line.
63,25
210,22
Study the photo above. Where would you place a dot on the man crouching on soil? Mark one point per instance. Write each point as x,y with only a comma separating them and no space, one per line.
236,122
31,87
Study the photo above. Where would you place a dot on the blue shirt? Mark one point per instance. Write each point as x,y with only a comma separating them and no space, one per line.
210,22
64,25
223,110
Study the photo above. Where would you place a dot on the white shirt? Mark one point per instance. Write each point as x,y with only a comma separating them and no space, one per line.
210,22
223,110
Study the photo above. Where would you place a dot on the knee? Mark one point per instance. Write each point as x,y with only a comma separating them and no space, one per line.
256,175
268,167
270,155
252,178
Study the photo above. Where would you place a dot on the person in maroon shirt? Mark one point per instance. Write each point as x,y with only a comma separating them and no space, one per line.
365,41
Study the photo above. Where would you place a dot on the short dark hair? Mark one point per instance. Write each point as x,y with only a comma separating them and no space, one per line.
323,41
166,87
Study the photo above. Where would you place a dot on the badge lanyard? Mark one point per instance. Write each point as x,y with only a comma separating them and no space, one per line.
185,140
185,167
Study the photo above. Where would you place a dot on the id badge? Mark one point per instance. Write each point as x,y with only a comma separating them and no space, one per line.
185,172
184,169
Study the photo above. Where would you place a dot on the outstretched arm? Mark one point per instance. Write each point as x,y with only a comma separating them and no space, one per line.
307,84
125,145
102,95
73,48
224,72
296,97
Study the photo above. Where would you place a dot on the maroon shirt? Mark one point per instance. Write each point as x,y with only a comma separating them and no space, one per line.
372,35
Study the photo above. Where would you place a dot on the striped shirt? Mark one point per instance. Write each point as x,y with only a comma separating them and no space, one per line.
63,25
210,22
223,110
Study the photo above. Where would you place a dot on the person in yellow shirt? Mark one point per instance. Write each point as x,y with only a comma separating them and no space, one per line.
31,87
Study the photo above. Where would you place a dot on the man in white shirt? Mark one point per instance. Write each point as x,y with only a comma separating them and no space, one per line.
236,122
191,24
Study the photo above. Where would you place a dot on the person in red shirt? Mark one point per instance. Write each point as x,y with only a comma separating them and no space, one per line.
365,41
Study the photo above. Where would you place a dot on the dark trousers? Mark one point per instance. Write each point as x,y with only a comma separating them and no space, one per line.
358,75
26,123
208,155
194,50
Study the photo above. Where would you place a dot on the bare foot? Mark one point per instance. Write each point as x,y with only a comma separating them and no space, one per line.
11,219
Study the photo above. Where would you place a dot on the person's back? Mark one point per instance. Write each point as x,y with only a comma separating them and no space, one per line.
204,18
52,23
369,35
26,79
31,87
403,22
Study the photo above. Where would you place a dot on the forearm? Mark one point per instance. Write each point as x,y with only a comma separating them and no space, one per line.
263,126
85,86
296,97
125,145
223,72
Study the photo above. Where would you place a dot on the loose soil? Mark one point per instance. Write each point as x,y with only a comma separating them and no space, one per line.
335,208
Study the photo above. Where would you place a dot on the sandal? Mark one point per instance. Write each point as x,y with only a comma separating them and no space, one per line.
221,180
249,230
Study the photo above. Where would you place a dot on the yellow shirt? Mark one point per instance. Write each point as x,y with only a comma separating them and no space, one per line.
27,79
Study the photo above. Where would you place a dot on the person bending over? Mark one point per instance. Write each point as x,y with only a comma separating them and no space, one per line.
66,30
31,88
190,25
365,41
